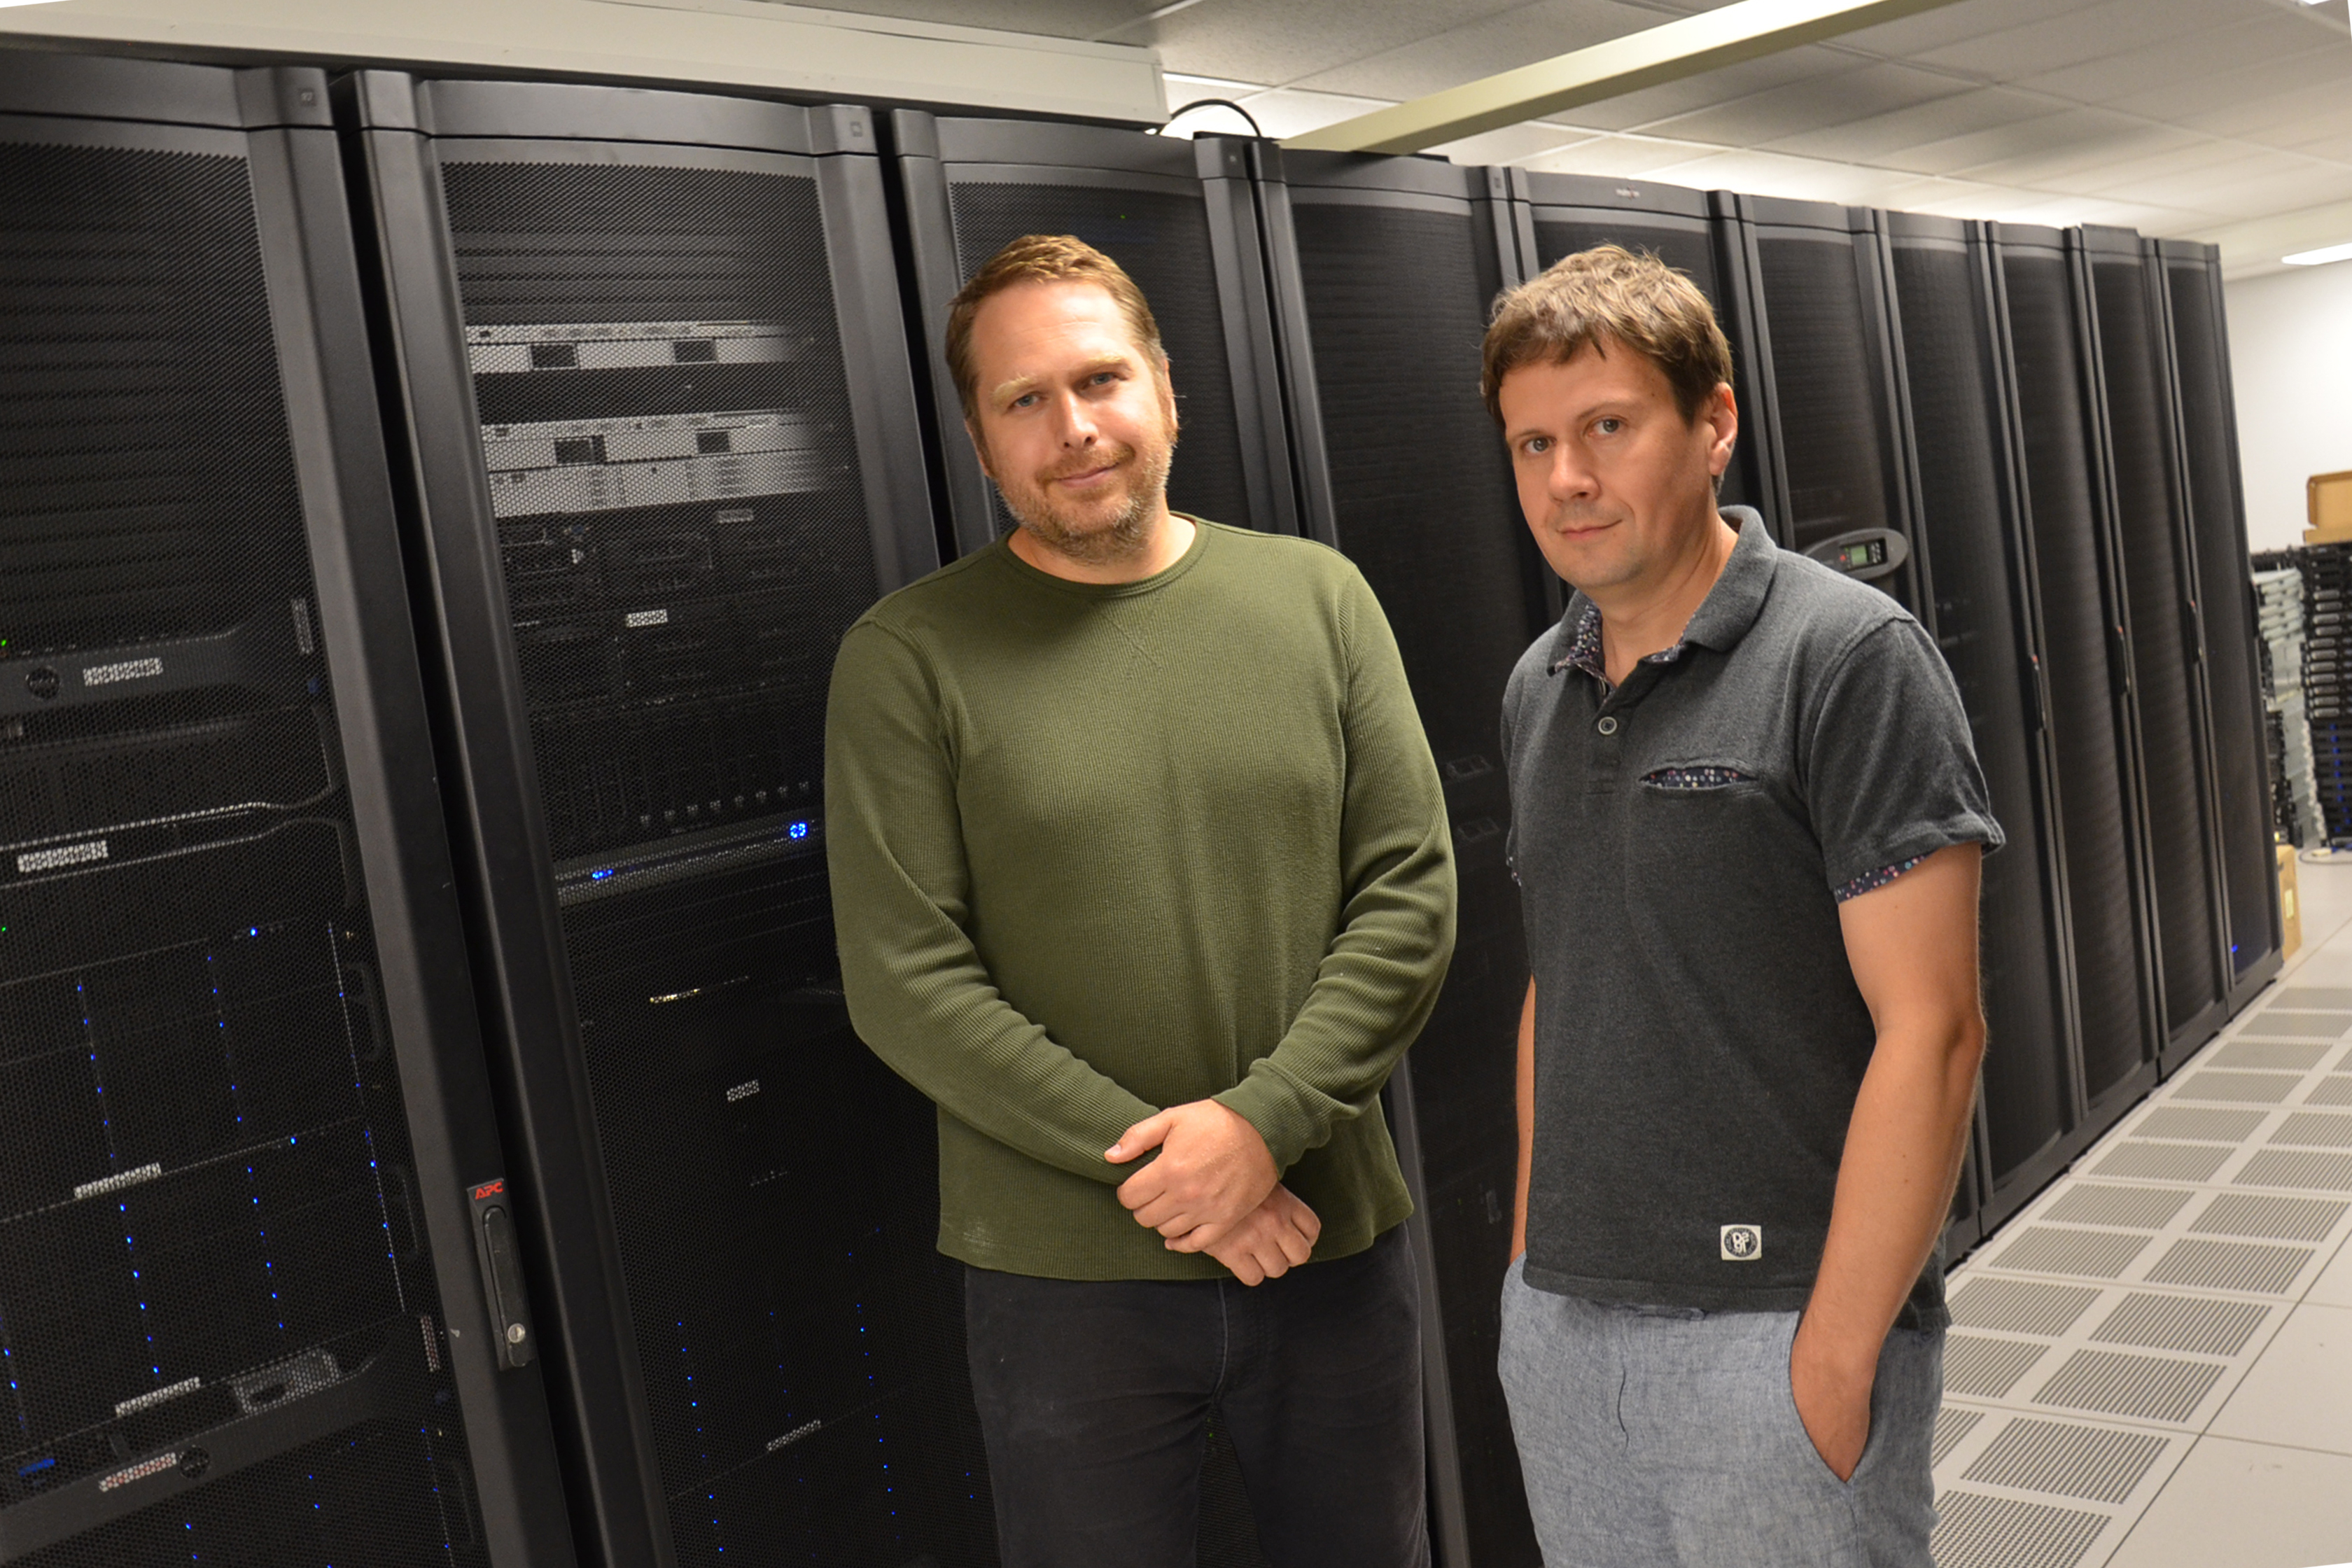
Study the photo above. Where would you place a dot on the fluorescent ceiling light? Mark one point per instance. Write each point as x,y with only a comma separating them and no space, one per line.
2320,256
4,3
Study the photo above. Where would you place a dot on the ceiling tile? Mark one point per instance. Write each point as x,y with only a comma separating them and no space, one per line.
1514,144
1978,151
1282,43
2072,37
1509,39
1813,103
2238,44
1913,38
1621,155
1878,136
1282,112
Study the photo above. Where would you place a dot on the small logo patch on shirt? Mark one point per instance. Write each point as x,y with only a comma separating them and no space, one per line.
1743,1243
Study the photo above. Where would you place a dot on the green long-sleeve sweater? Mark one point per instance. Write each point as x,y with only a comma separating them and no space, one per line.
1097,850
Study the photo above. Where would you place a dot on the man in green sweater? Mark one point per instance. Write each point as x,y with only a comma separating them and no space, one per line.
1142,871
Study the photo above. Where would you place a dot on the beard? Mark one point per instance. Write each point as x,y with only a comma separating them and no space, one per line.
1074,532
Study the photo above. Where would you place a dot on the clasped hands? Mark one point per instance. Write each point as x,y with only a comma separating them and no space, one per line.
1214,1189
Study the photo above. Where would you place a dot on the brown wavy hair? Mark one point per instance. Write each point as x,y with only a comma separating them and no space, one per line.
1609,294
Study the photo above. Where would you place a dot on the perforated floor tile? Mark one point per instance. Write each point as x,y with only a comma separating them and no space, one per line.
2297,1168
2181,1323
1953,1423
2324,998
2096,1464
2210,1122
2298,1056
2296,1021
1977,1530
2317,1129
2260,1214
2230,1265
2056,1249
2147,1388
2137,1208
1986,1368
2164,1162
2333,1090
2240,1088
2021,1306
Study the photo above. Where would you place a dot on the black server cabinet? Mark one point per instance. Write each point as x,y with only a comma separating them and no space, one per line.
2087,660
1817,324
240,1310
1383,269
2167,635
2191,276
656,397
1178,215
1556,215
1959,392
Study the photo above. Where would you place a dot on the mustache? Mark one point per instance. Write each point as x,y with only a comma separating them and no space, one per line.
1110,457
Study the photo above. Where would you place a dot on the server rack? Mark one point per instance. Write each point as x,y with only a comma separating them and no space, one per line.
1383,269
244,1319
1178,215
1816,316
2044,296
1555,214
1959,391
653,388
2206,420
2160,575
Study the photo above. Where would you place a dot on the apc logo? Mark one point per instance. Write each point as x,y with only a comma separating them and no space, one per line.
489,1189
1742,1243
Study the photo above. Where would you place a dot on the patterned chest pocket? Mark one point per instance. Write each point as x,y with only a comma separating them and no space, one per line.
1697,776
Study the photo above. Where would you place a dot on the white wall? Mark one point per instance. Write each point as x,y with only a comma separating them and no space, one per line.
2291,365
701,43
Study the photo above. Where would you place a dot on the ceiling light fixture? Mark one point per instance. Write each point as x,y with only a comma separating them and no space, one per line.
2319,257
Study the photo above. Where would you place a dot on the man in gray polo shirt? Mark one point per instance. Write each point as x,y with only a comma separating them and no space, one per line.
1747,821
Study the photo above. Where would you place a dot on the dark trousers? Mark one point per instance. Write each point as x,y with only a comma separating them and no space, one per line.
1094,1398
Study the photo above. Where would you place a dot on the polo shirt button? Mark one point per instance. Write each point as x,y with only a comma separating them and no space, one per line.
1608,725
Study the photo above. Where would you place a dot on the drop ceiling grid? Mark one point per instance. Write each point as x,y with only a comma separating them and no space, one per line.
2019,1447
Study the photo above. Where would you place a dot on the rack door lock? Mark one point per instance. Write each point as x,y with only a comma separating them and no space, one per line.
500,1256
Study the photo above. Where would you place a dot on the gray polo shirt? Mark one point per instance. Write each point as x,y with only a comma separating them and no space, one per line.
1682,843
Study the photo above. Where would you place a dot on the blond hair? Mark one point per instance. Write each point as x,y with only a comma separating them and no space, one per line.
1609,294
1042,258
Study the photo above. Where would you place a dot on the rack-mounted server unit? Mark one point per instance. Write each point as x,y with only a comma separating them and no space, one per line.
2207,415
244,1301
1177,216
1383,270
2167,635
1556,216
655,398
1959,396
2043,290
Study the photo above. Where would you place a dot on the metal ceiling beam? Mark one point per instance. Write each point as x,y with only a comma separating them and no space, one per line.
1742,31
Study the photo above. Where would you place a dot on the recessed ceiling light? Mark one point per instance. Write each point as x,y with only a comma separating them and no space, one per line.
2319,257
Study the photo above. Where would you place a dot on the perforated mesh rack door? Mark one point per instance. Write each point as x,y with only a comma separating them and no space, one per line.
675,392
2097,800
1393,287
2174,753
1829,383
1984,623
219,1314
2201,357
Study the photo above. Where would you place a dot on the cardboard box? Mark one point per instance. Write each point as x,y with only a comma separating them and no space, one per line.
2329,500
2290,910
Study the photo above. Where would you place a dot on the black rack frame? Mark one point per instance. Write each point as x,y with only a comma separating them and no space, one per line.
399,130
277,119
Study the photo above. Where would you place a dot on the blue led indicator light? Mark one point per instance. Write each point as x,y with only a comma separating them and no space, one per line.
600,876
800,830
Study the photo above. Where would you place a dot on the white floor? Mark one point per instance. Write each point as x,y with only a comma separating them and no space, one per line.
2151,1366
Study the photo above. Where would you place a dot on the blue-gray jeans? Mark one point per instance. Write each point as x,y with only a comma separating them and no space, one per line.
1653,1436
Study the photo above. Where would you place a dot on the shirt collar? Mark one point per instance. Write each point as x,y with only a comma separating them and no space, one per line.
1723,617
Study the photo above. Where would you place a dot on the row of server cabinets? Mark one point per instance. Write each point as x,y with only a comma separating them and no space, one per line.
430,509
